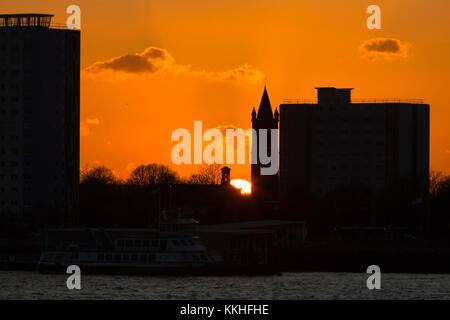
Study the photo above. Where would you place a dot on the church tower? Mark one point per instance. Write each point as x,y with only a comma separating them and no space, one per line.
264,187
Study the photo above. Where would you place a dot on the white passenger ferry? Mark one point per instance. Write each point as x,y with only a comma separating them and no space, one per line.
129,251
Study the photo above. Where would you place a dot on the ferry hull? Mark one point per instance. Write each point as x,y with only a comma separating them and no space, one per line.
179,271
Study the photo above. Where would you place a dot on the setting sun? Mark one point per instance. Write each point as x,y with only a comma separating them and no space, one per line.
244,185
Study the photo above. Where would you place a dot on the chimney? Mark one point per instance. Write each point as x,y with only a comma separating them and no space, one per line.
225,175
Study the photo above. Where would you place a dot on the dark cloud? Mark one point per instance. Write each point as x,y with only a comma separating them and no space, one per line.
150,61
129,63
154,60
155,53
384,48
383,45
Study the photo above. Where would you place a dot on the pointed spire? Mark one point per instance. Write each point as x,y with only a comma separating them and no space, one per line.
265,109
275,117
253,114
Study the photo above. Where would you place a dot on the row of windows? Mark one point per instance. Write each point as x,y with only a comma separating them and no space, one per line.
346,131
354,166
14,189
13,164
4,203
14,73
354,143
146,243
13,60
15,137
346,179
333,121
13,112
353,155
12,86
15,177
14,203
14,151
144,258
13,99
14,46
351,108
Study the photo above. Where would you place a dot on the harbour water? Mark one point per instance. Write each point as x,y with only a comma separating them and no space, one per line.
31,285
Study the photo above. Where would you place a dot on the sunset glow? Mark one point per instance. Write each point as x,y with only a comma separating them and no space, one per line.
244,185
203,60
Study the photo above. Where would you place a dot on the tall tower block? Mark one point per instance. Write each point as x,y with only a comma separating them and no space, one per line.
39,120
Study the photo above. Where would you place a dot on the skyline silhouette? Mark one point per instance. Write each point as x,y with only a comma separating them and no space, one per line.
129,121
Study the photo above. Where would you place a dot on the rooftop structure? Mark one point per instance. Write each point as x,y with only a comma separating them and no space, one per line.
24,20
326,95
29,20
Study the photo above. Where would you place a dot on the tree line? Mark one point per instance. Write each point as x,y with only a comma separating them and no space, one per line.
150,174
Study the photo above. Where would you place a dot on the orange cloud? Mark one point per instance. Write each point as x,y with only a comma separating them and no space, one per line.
384,49
154,61
84,126
93,121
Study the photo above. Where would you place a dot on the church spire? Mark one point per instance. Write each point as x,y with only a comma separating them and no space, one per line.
265,109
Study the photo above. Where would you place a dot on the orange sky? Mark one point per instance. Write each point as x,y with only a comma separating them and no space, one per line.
217,54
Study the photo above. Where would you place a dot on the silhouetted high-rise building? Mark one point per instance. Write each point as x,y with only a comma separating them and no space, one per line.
39,119
264,187
335,142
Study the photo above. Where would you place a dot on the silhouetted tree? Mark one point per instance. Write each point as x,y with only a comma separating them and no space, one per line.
439,220
98,175
207,174
152,174
439,182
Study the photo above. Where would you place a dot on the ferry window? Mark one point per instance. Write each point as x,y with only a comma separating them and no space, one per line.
145,243
137,243
151,258
128,243
191,242
126,257
203,257
184,242
100,257
143,258
176,242
117,257
154,243
163,244
195,257
120,243
134,257
108,257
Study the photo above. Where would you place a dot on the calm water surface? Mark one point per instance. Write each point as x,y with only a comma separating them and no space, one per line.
30,285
